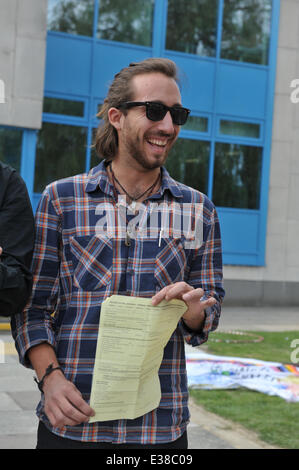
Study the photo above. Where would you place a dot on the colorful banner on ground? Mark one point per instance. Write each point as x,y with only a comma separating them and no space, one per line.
209,372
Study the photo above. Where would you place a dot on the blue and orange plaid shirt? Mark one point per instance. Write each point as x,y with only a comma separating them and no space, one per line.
78,263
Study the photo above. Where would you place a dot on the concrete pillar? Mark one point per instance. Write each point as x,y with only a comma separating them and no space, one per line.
23,27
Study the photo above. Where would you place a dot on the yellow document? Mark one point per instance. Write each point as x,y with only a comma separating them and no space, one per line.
131,339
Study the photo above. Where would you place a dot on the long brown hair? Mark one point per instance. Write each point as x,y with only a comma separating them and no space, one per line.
106,138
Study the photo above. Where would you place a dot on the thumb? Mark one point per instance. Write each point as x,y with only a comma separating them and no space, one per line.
210,301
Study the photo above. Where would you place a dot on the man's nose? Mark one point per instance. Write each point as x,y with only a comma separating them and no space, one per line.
166,124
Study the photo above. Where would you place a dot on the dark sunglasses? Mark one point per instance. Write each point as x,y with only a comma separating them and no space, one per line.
157,111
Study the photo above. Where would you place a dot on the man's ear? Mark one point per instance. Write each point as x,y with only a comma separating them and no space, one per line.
115,118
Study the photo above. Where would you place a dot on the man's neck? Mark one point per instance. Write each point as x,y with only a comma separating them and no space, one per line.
133,177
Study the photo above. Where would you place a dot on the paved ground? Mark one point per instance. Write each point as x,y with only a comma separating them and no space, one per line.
19,395
261,319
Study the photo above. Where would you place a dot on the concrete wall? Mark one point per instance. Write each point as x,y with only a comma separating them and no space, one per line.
278,281
23,26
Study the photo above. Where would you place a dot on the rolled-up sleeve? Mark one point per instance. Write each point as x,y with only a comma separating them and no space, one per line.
206,273
35,324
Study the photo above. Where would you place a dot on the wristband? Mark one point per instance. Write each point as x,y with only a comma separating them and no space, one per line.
49,371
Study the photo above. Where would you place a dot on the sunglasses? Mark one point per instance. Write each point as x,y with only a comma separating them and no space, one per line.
157,111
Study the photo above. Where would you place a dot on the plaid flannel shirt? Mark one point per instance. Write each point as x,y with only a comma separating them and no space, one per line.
75,270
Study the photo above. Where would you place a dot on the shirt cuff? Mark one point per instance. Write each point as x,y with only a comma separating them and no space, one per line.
28,336
196,338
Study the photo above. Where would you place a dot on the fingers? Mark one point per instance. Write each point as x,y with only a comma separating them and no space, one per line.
193,295
179,290
64,414
66,407
195,315
210,302
80,404
195,304
156,299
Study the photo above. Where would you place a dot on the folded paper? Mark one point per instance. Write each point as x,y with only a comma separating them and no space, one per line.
131,339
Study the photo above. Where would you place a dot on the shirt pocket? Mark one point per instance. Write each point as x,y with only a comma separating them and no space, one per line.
92,262
170,263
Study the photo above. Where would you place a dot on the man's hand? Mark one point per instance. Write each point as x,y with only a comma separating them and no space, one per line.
195,314
0,251
64,405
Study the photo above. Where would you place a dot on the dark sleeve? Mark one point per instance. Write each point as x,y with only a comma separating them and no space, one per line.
16,241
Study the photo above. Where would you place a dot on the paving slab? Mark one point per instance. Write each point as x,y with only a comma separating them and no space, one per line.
259,318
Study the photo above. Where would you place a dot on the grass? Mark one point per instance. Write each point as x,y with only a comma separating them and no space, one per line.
275,347
272,418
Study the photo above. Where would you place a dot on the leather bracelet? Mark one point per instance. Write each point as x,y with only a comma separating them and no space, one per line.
49,371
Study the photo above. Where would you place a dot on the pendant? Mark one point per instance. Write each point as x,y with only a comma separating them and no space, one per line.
128,240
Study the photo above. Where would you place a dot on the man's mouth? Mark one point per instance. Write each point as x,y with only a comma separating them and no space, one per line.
157,142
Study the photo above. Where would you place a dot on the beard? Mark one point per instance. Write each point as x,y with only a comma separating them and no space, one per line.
134,148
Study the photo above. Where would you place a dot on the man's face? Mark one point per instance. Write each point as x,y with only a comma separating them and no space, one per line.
146,141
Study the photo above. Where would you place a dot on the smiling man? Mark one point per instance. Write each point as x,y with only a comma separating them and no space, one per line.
76,267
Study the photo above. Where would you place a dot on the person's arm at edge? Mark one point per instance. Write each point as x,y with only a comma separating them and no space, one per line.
17,242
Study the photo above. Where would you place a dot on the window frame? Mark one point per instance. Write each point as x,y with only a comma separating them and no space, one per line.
239,138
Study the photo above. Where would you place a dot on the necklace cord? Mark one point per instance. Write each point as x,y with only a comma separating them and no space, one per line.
133,199
149,190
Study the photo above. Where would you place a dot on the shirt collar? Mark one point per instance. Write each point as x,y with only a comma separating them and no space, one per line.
170,184
98,179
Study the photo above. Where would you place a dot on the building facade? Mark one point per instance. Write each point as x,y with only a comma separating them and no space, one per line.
237,58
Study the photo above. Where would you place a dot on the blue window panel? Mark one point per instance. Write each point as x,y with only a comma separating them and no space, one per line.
95,108
68,64
243,259
28,158
255,136
240,235
197,81
35,200
109,58
241,90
